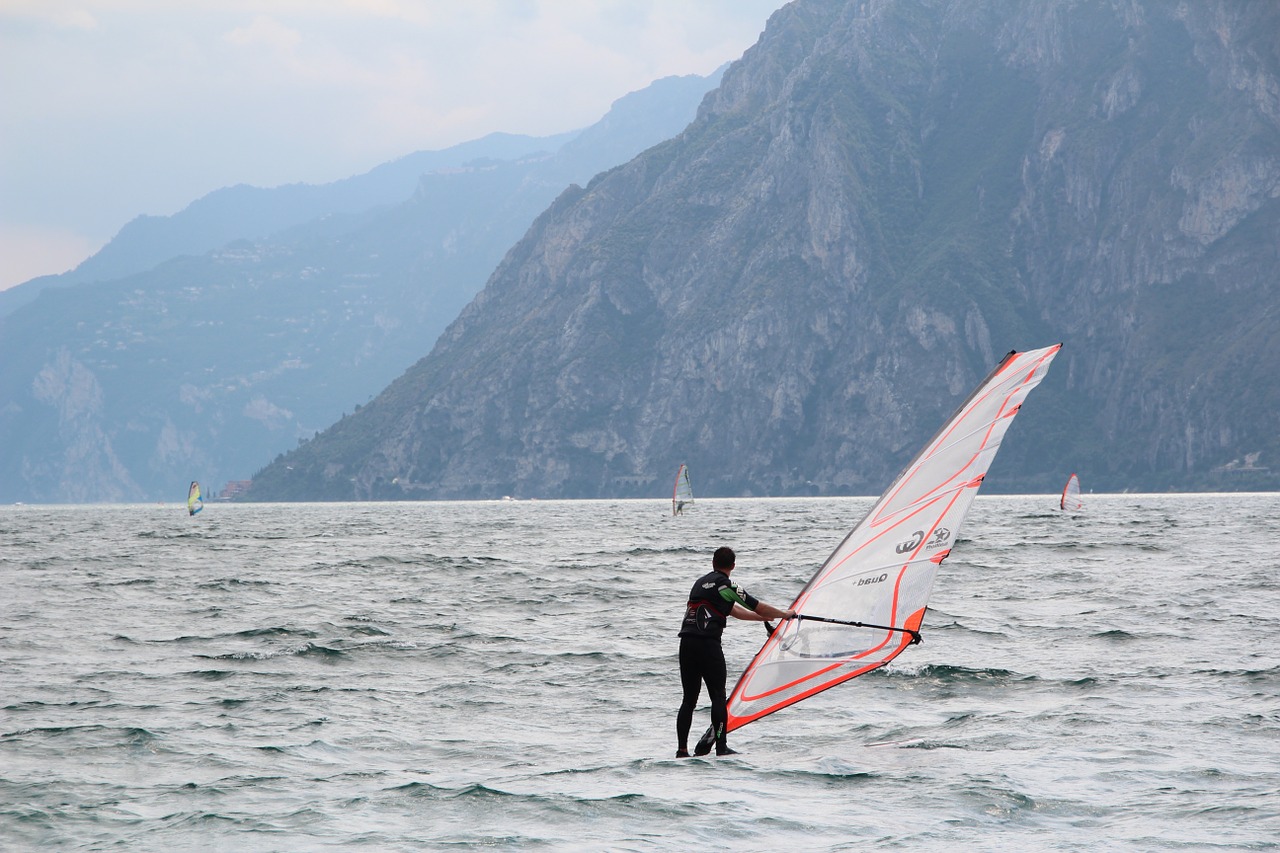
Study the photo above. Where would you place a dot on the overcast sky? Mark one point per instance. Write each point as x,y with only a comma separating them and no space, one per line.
114,108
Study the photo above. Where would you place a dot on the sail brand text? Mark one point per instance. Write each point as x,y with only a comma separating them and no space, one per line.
865,581
940,536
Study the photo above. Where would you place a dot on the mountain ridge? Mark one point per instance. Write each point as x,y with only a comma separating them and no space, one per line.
206,366
879,200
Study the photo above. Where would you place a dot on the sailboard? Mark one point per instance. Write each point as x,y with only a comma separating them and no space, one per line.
682,492
194,503
867,602
1071,495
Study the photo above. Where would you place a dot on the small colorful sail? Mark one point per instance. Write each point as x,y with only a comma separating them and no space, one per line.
194,503
682,492
867,603
1071,495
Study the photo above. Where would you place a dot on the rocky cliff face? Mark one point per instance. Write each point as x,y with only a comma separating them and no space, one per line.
879,201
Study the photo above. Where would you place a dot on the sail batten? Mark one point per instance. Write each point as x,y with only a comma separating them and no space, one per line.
882,574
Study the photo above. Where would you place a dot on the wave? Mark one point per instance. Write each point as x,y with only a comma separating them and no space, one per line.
44,707
479,793
677,550
211,674
310,749
920,743
158,534
388,560
947,674
476,790
1251,676
128,582
367,631
246,634
957,626
113,735
828,770
277,631
229,584
310,650
997,798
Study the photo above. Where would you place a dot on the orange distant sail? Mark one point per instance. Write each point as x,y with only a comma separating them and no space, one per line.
1071,495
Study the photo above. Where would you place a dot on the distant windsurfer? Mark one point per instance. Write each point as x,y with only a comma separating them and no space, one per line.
712,600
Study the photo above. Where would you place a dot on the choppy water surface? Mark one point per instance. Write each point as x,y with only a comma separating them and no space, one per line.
454,675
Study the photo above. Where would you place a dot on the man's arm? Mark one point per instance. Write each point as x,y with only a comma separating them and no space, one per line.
762,613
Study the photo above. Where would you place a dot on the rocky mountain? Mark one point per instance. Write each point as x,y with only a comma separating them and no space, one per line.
246,212
881,198
206,366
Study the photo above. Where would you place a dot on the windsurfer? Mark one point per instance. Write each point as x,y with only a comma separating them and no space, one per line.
712,600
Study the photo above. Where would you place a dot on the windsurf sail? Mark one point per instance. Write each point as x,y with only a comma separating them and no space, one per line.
682,492
1071,495
867,602
194,503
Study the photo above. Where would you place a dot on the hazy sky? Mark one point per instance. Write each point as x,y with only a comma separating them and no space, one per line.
114,108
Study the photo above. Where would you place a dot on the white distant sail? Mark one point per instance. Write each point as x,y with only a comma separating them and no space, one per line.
682,492
1071,495
867,602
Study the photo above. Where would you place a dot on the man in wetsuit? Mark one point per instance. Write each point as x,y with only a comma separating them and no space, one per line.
711,601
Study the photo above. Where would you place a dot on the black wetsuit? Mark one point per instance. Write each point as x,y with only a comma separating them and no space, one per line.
701,658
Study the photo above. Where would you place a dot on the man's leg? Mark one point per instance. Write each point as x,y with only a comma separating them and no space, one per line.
716,675
691,684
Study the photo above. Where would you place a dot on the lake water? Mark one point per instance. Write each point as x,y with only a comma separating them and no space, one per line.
434,676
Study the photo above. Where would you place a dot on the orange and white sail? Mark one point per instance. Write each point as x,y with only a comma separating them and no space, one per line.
867,603
1071,495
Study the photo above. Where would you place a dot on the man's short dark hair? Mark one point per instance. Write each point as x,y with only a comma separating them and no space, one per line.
723,558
